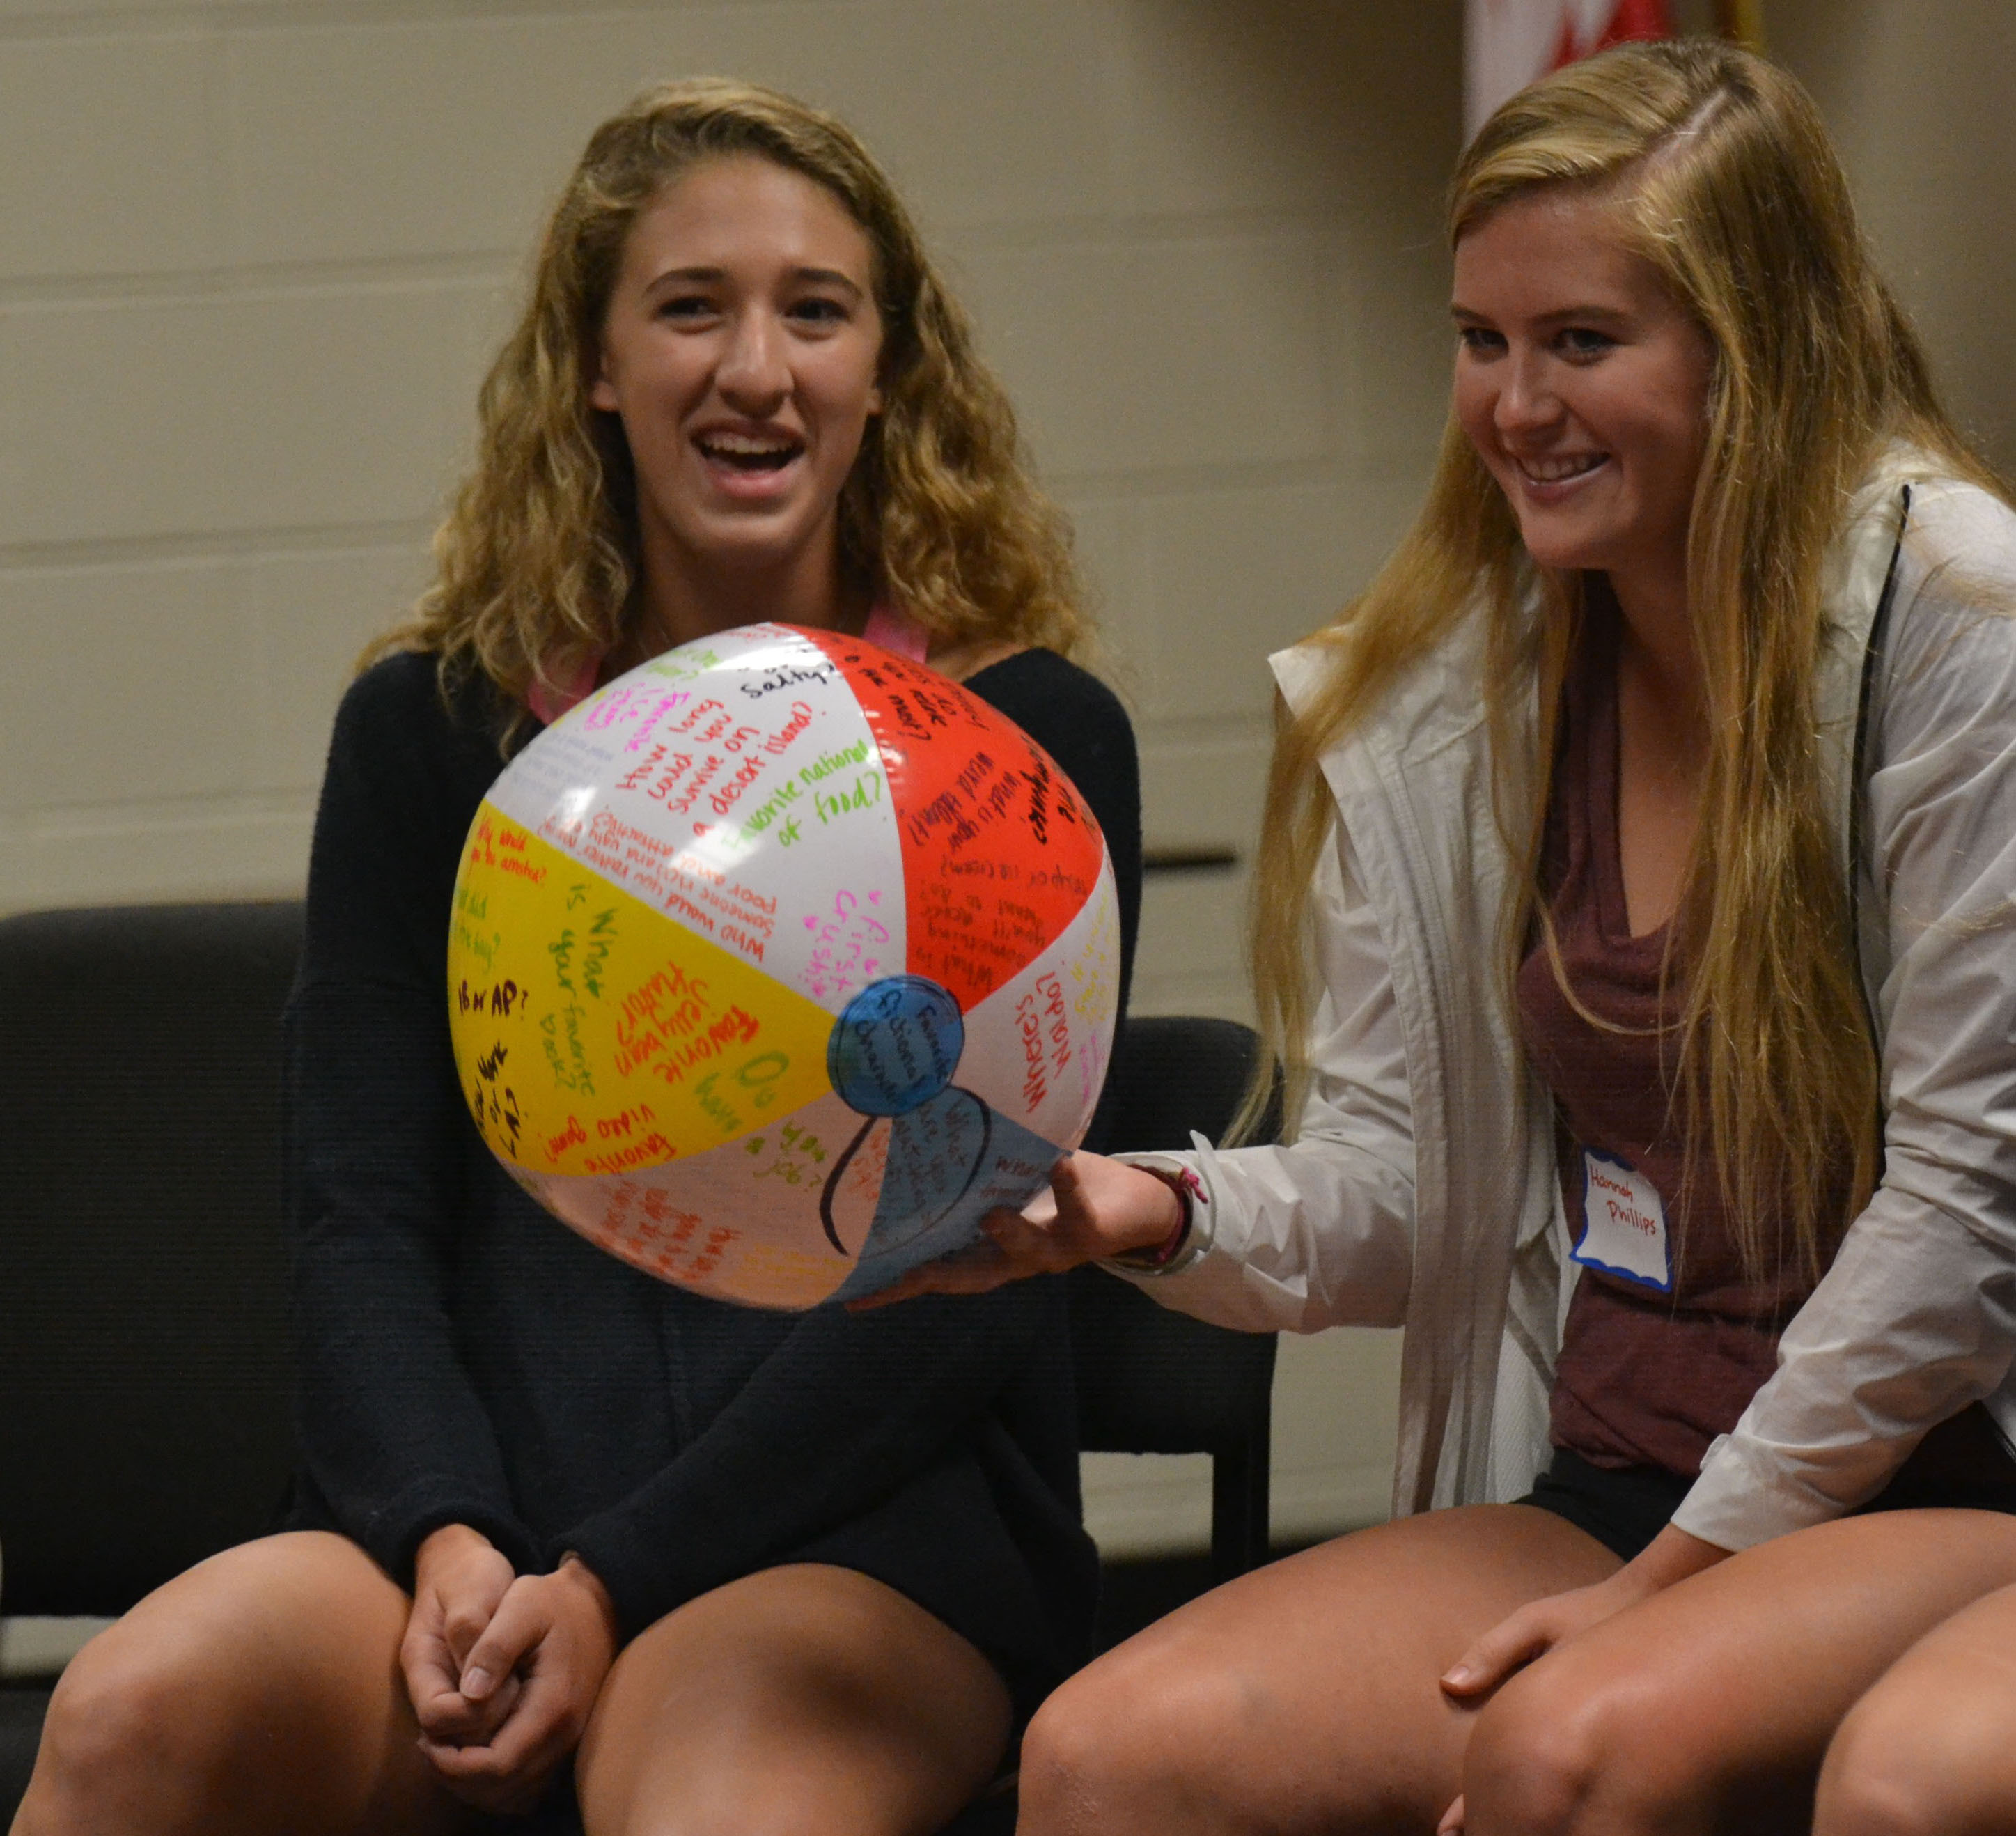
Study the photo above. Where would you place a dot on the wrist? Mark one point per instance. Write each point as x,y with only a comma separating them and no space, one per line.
1170,1221
447,1544
1671,1556
578,1575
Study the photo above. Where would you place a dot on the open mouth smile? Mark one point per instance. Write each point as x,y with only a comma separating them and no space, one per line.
750,454
1543,472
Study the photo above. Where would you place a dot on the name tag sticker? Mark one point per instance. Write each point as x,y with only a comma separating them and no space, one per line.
1624,1222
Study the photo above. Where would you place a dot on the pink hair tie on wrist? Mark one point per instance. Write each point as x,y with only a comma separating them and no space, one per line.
1189,1192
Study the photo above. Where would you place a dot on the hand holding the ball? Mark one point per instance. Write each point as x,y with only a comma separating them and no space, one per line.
1095,1208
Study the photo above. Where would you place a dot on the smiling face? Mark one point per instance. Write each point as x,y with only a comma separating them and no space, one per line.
739,351
1583,385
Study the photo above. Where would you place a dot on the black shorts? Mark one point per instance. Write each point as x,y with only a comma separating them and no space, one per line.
1964,1462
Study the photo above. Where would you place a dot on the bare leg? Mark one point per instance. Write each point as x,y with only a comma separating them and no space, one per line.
1931,1751
1303,1698
806,1698
260,1692
1708,1707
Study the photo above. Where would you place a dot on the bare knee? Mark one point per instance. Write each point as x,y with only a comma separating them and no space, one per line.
257,1690
1945,1772
1537,1758
1874,1791
1072,1754
124,1726
740,1795
805,1701
1118,1748
1574,1745
733,1806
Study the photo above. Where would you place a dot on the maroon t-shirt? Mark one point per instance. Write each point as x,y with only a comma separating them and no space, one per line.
1649,1375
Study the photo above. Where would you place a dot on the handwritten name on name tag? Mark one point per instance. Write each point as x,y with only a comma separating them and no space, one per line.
1624,1222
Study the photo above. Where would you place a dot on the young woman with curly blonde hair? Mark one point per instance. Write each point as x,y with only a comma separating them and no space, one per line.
566,1540
1634,923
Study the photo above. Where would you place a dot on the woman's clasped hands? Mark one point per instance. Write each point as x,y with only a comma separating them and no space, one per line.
503,1669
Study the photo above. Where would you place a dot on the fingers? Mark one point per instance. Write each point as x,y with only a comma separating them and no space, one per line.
464,1620
489,1741
430,1671
970,1272
474,1775
1106,1207
1067,1192
1511,1645
1042,1208
506,1775
1027,1246
1094,1207
518,1624
449,1718
1015,1247
1451,1823
546,1651
543,1729
459,1579
433,1680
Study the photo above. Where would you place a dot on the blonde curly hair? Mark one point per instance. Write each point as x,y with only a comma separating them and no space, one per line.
538,562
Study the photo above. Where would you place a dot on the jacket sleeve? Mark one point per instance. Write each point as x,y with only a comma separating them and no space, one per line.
394,1436
1916,1318
1320,1233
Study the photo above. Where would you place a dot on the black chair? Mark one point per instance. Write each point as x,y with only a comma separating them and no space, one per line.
1153,1382
145,1376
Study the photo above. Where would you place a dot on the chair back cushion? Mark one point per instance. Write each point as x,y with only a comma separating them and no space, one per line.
144,1374
1150,1380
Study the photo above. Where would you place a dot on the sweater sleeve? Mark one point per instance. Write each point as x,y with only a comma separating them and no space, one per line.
394,1437
850,1406
835,1420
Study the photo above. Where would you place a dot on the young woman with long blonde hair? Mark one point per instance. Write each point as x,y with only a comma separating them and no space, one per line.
566,1540
1634,924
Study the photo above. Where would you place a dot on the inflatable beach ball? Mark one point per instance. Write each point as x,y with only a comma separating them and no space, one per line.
778,963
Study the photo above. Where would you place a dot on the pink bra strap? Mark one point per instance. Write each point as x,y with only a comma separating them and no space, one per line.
896,631
549,702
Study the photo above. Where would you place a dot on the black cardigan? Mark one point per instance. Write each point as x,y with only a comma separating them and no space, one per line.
466,1358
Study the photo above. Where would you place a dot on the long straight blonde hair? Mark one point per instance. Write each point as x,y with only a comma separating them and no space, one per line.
538,561
1721,175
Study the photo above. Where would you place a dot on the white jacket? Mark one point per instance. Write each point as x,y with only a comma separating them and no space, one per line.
1422,1191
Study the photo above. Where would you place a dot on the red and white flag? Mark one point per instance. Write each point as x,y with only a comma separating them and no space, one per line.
1511,43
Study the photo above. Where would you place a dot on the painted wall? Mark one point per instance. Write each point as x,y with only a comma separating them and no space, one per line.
1919,99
